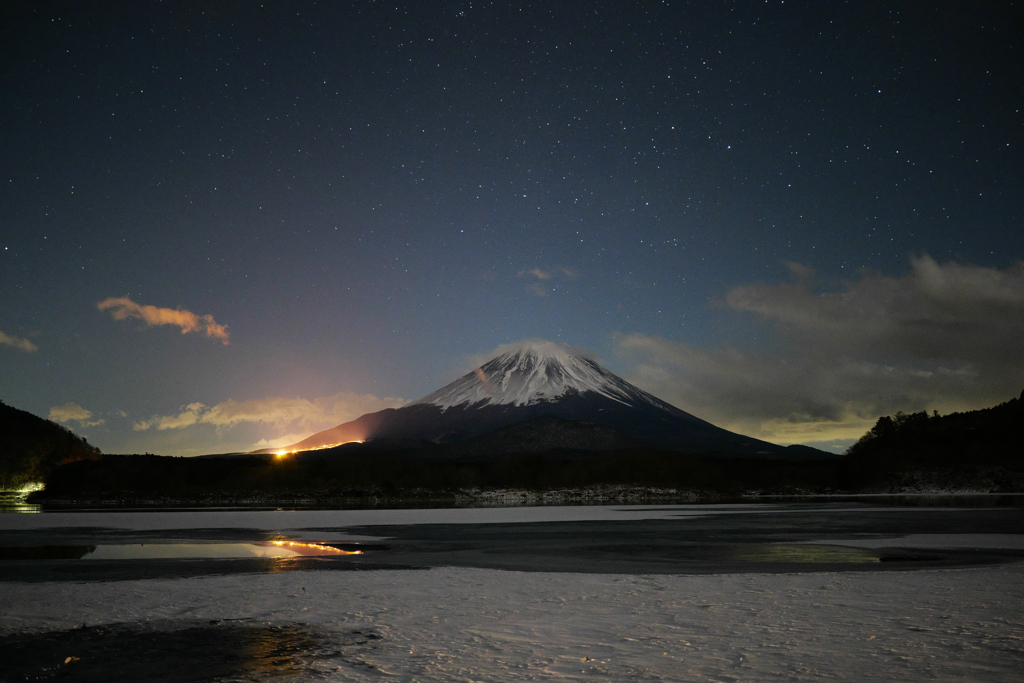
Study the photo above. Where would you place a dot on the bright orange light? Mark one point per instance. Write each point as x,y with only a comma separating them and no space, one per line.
314,548
331,445
281,454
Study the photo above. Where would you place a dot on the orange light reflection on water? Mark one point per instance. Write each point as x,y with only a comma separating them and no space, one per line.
312,548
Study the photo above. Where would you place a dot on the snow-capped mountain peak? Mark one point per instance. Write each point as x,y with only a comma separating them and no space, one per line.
533,372
540,380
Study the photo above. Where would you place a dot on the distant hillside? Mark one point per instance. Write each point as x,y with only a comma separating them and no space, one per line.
969,447
30,447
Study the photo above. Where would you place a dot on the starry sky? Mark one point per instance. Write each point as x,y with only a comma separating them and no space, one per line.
229,225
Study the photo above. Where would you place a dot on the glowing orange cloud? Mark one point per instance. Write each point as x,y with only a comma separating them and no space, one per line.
123,308
282,413
18,343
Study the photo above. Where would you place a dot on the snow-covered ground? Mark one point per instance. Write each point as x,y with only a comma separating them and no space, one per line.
485,625
465,624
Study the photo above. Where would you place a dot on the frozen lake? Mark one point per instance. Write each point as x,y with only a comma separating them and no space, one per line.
849,591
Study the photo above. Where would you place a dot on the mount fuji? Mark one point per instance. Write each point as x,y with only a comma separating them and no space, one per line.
556,391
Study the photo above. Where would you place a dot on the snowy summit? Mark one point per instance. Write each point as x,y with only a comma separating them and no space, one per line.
535,371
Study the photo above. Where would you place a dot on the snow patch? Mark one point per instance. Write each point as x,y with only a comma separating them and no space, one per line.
536,371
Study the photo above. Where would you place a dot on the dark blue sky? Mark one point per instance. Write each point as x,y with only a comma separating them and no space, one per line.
785,217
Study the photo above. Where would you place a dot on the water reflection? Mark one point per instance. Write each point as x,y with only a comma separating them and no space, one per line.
279,549
220,650
19,507
14,501
47,552
801,554
308,549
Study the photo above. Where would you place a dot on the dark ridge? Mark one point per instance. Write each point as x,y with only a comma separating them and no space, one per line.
31,447
920,447
364,471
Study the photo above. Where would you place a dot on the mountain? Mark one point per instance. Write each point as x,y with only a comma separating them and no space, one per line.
541,378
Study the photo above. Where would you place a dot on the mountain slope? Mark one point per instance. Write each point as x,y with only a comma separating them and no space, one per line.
541,378
30,447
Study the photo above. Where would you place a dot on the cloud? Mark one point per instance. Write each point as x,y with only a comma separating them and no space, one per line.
787,399
537,273
189,416
540,288
799,271
950,312
327,410
944,337
72,412
559,271
279,412
537,289
18,343
123,308
286,440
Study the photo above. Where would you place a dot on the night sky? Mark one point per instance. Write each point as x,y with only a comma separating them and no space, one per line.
230,225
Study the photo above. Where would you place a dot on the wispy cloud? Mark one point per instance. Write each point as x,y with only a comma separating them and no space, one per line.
122,308
286,440
798,270
275,411
188,416
544,277
18,343
537,273
72,412
944,337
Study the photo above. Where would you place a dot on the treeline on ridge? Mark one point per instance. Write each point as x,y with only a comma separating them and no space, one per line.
363,474
906,444
30,447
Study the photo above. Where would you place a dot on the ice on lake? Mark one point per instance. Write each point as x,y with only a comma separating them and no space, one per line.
448,623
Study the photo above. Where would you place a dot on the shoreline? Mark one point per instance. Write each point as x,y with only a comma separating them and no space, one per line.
499,498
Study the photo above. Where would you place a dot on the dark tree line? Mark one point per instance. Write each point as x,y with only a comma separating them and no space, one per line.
991,438
31,447
392,473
